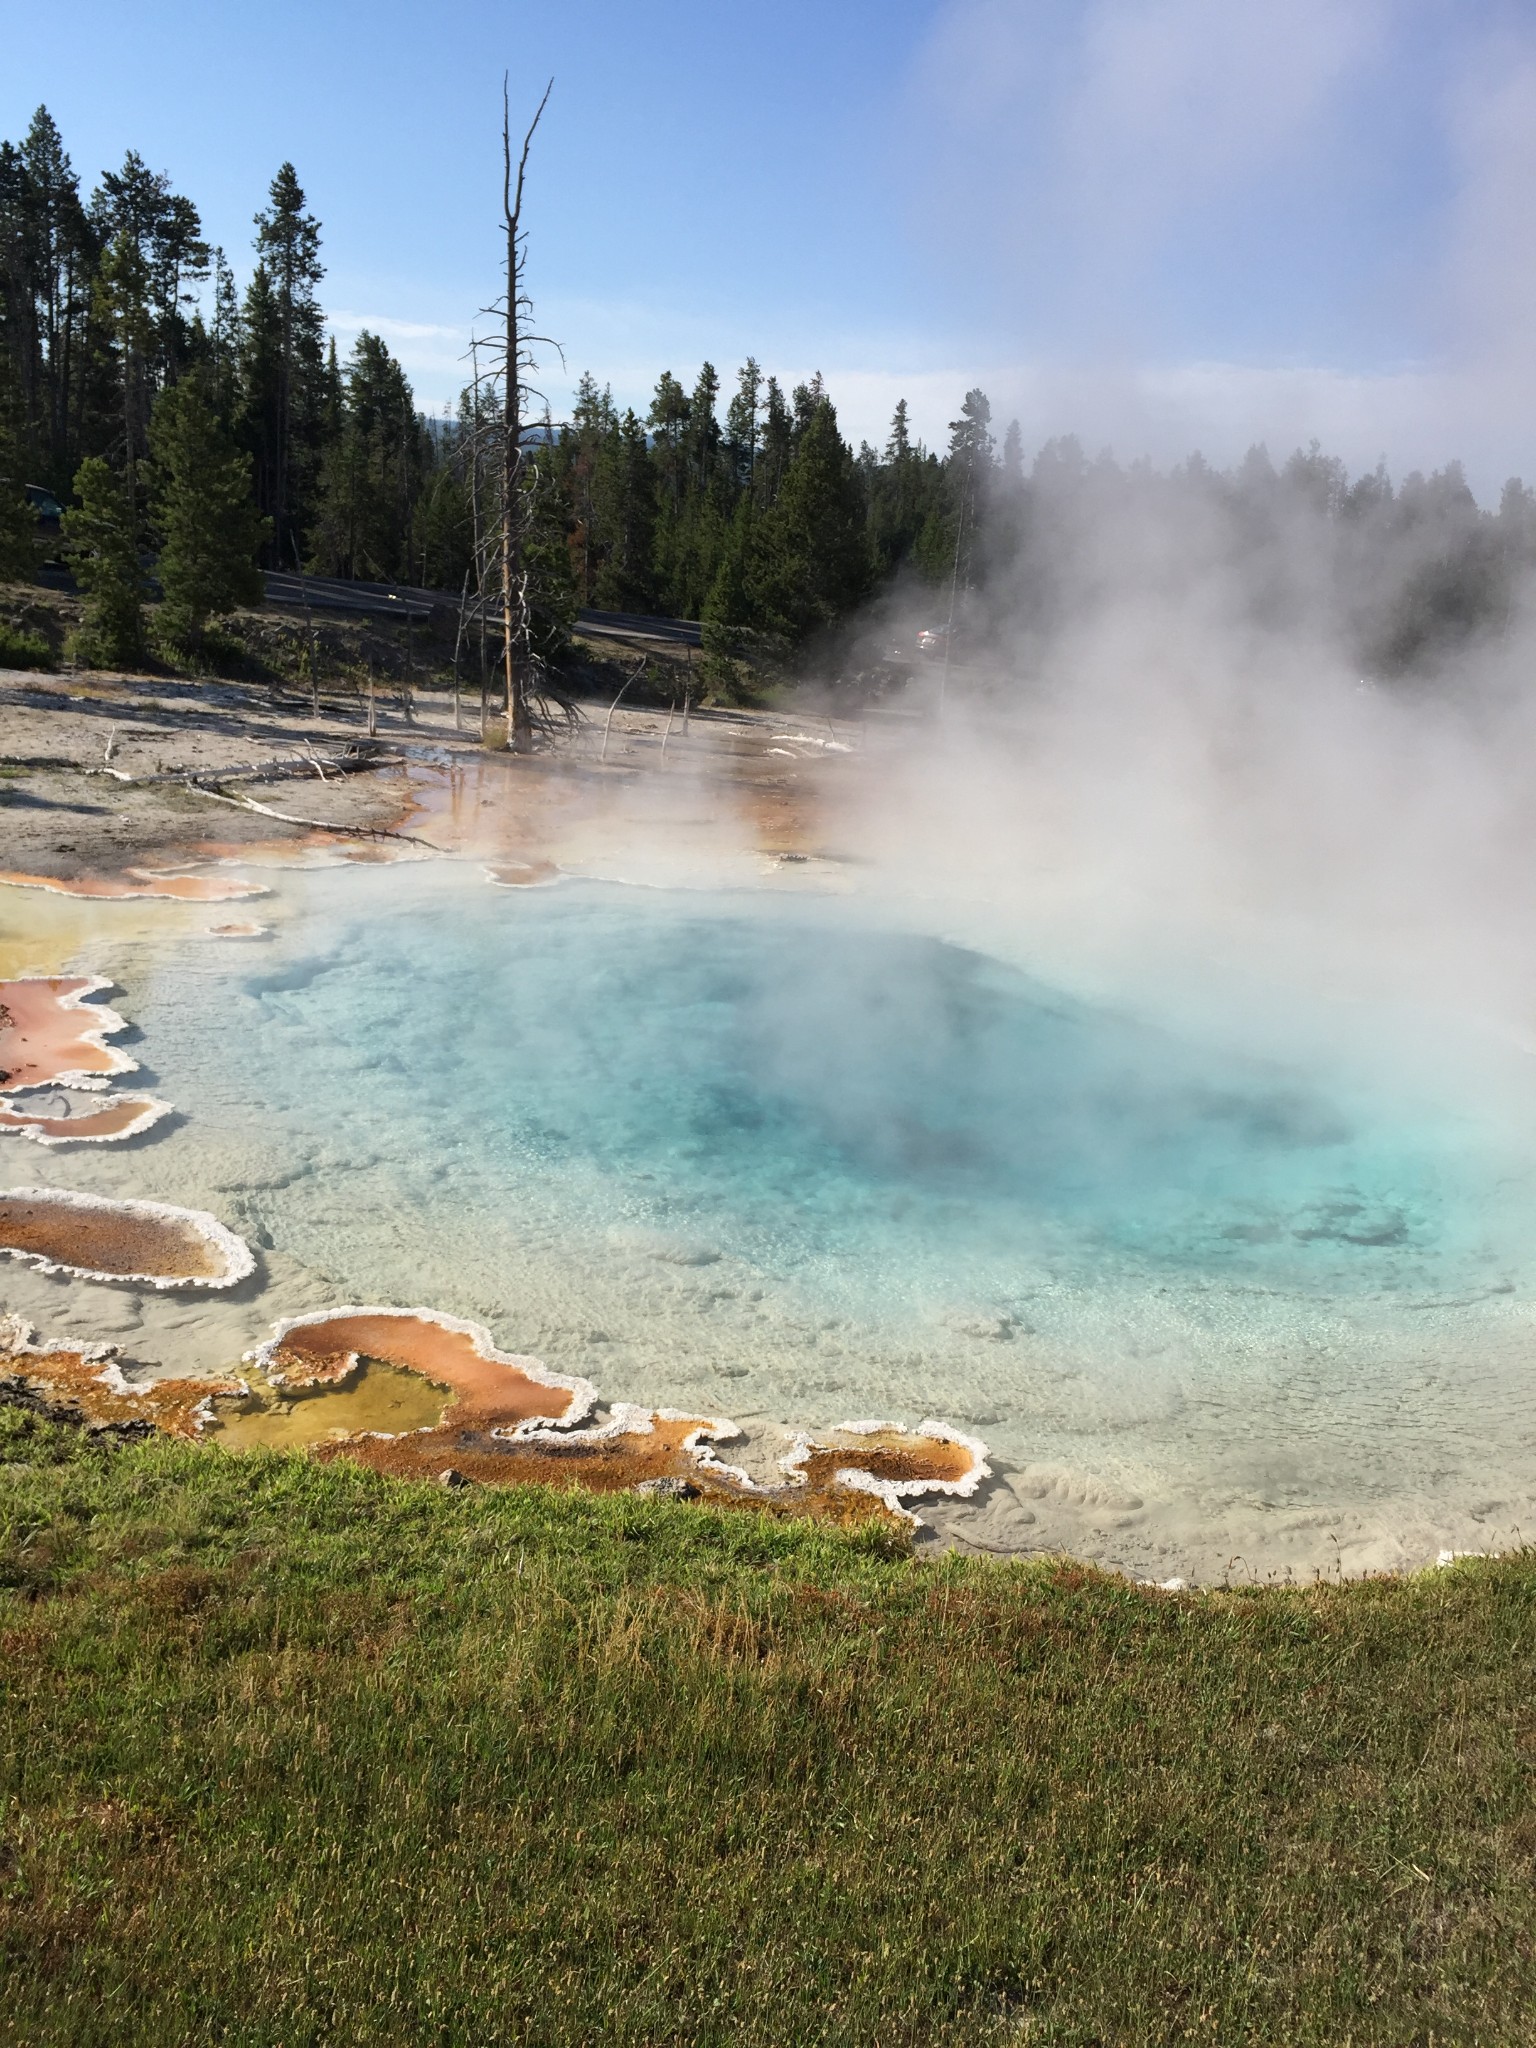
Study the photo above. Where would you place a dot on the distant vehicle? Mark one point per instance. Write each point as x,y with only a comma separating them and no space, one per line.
933,640
48,513
47,507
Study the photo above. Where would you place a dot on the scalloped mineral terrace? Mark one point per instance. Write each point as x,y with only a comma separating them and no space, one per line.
511,1421
136,1244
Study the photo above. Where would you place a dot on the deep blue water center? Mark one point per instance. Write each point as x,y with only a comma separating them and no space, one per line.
809,1086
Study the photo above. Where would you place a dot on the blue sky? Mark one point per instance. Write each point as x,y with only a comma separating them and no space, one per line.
1158,222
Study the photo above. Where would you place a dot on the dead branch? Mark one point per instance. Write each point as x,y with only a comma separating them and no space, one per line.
639,671
249,803
358,760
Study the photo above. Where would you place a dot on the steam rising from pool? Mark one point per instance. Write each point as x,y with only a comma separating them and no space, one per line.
785,1158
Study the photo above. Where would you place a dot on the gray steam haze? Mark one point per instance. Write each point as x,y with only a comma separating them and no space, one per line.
1176,714
1179,811
1163,764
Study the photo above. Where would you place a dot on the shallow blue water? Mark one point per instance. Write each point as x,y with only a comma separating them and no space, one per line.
674,1139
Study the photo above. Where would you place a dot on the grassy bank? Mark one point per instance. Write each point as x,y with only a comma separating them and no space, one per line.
299,1754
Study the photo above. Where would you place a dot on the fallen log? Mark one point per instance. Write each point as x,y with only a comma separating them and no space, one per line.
283,768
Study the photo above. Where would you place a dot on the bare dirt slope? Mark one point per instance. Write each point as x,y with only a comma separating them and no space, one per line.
62,813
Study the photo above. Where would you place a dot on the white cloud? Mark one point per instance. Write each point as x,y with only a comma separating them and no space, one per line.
397,330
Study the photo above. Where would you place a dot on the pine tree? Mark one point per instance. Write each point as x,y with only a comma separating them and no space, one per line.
210,529
18,525
625,491
441,535
804,400
122,293
49,261
814,562
906,508
899,447
584,451
741,425
284,367
969,475
776,446
667,418
701,434
224,339
372,470
166,236
1004,532
729,611
101,540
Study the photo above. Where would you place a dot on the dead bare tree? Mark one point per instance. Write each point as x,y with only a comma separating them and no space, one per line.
499,449
458,644
474,456
516,360
634,677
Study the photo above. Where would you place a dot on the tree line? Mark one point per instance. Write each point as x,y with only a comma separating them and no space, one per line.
211,429
115,306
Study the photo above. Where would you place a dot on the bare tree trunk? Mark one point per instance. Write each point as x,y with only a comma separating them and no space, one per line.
639,671
130,468
514,590
314,663
458,642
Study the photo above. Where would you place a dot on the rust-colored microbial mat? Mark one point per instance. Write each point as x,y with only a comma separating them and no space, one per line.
509,1423
492,1389
120,1116
141,883
96,1238
50,1034
601,1460
844,1484
890,1457
89,1387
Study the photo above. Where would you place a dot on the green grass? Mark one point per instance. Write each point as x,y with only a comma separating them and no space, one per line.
297,1754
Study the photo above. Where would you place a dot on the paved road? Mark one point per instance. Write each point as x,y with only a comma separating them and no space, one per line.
373,600
639,626
409,601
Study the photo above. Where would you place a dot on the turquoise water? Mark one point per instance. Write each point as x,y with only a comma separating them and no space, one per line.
771,1156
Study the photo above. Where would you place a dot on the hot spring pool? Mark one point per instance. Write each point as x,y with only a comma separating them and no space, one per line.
774,1158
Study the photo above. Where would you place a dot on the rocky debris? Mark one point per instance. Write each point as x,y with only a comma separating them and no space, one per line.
666,1489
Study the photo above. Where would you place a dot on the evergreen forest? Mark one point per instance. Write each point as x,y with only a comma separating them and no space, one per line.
208,430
